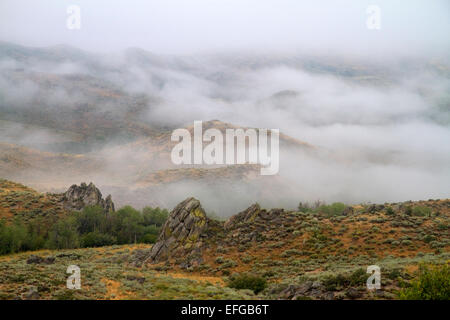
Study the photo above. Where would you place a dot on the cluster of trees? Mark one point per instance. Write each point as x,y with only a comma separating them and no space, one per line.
88,228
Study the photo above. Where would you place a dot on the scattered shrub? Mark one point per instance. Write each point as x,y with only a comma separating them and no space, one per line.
408,210
251,282
421,211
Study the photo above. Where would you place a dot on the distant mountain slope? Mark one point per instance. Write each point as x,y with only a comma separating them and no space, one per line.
34,166
90,107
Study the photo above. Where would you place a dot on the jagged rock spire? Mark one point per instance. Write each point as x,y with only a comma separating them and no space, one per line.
78,197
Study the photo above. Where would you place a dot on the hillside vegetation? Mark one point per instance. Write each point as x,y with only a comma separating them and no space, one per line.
318,251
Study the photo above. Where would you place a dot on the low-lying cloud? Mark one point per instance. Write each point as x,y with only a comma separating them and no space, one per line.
380,135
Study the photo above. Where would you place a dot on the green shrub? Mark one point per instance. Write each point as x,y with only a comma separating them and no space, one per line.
408,210
428,238
339,281
246,281
433,283
358,277
290,252
421,211
334,282
246,259
228,263
219,260
394,274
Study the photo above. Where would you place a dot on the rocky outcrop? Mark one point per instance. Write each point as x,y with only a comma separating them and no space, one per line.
78,197
182,236
248,214
253,225
34,259
188,231
254,213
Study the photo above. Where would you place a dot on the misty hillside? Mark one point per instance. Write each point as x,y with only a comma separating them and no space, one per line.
352,129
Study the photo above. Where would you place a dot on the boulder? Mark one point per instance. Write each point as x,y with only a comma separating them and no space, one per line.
140,280
31,294
182,236
34,259
289,292
308,290
353,293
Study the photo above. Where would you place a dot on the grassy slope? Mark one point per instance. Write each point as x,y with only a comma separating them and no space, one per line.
25,204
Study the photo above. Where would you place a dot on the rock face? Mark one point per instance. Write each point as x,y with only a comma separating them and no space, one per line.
248,214
253,214
78,197
251,225
183,234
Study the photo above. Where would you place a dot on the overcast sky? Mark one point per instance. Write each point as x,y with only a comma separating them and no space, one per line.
190,26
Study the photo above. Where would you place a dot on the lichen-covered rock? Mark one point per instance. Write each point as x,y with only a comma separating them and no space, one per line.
78,197
254,214
182,235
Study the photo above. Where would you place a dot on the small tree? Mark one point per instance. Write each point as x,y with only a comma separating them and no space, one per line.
63,235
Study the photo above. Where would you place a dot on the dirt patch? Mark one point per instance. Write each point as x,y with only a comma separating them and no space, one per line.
195,277
113,292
